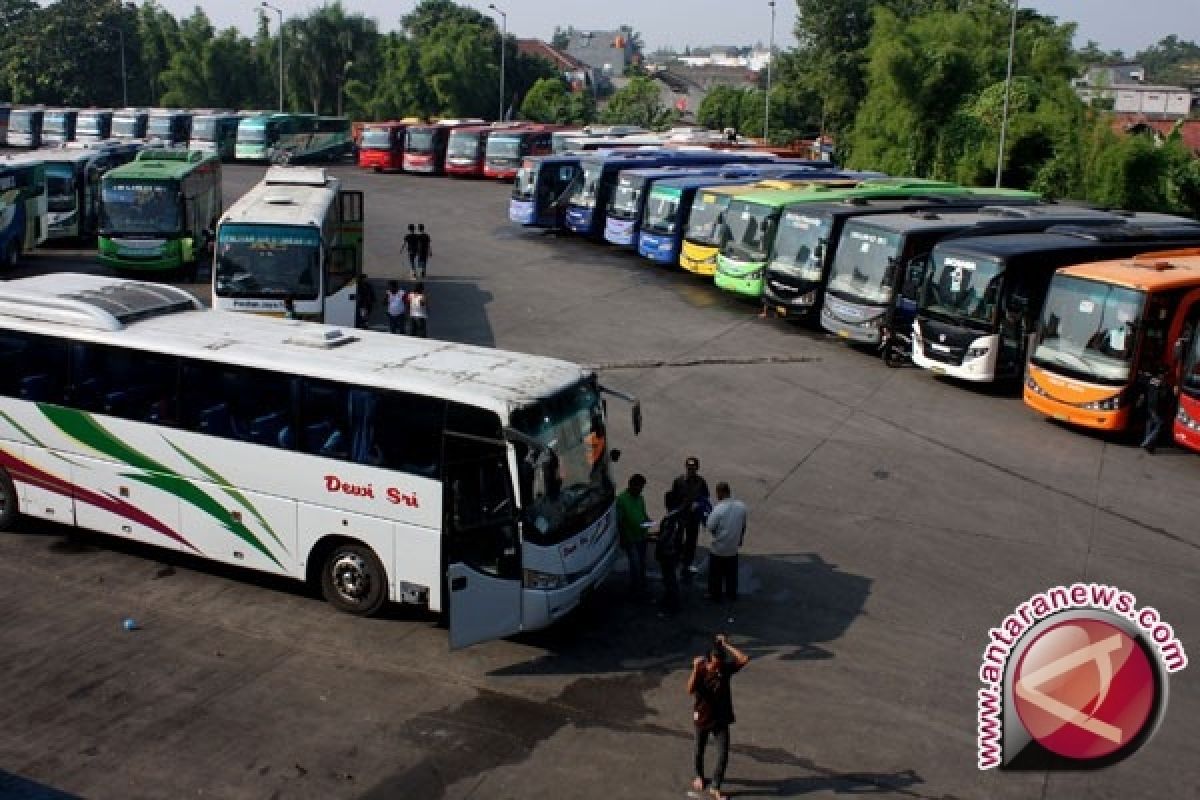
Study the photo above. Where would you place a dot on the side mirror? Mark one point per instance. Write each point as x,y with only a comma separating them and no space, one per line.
637,418
819,253
614,455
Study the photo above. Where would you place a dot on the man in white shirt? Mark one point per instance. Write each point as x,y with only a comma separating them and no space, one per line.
727,524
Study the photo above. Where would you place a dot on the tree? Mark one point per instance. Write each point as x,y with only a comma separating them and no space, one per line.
1171,61
639,103
323,47
547,101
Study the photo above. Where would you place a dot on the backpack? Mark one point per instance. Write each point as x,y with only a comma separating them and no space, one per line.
670,537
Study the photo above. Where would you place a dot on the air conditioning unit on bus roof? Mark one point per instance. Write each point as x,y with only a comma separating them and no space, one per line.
296,176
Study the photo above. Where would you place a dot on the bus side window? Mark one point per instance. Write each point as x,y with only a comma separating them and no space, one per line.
130,384
33,367
343,269
408,433
236,403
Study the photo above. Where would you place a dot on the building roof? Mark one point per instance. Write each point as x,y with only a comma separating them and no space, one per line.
1189,129
539,49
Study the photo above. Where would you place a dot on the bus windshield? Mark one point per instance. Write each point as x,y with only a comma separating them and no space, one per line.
964,290
526,181
88,125
1191,367
571,489
585,194
749,226
252,133
159,126
140,207
861,264
55,123
625,197
801,242
20,121
463,145
60,187
204,128
503,147
124,126
662,212
1089,329
419,142
376,139
708,211
268,261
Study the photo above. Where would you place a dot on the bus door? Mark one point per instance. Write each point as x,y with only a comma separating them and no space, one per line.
483,551
345,261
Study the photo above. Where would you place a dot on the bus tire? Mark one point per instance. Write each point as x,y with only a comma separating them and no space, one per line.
353,580
8,502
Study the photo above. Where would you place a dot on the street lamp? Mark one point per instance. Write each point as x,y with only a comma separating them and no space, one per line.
124,82
278,11
770,58
503,42
1012,44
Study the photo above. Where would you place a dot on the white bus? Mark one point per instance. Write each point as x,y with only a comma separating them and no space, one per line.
296,234
472,481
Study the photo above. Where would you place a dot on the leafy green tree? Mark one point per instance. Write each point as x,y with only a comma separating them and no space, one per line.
639,103
546,101
1172,61
322,48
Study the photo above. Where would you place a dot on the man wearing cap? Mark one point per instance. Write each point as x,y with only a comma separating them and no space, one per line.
692,490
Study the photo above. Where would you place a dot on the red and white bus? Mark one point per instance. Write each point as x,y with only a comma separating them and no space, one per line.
464,152
381,145
506,149
425,145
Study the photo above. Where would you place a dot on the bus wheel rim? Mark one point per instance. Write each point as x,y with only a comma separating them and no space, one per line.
351,577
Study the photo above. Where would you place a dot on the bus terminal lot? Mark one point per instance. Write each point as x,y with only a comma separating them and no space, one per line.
894,519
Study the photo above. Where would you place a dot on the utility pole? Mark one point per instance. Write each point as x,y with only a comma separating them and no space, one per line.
503,47
278,11
770,58
124,80
1012,45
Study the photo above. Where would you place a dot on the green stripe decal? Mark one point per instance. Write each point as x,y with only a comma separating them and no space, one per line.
24,432
84,429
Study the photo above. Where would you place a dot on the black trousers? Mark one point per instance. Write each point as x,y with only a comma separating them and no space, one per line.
721,736
670,579
722,577
691,532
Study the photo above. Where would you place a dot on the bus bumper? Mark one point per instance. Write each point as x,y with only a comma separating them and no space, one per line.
618,231
1186,431
851,322
699,260
660,249
579,220
742,279
1038,398
141,255
521,212
540,608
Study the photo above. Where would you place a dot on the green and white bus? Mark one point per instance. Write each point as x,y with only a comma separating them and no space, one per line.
461,479
258,135
159,211
298,234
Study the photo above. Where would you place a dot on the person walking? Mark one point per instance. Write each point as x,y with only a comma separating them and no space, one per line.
424,251
667,549
397,310
418,311
632,525
410,247
692,491
1155,393
289,307
712,708
727,524
364,302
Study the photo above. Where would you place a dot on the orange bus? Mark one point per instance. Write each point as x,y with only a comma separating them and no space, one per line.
1105,326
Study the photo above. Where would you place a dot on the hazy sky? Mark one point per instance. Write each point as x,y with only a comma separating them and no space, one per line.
1113,23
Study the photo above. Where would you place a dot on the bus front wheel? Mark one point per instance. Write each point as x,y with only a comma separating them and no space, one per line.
353,580
8,501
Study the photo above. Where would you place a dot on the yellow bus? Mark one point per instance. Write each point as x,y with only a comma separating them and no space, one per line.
706,221
1104,326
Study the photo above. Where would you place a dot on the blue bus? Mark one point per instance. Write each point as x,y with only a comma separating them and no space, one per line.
598,177
541,188
23,209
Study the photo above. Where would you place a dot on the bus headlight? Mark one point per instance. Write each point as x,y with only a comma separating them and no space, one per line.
756,275
1032,385
1107,404
807,299
532,579
978,352
1186,420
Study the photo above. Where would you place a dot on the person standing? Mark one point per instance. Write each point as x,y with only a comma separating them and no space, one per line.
424,251
692,491
712,707
727,524
418,311
632,522
1155,392
410,247
289,307
396,308
667,549
364,302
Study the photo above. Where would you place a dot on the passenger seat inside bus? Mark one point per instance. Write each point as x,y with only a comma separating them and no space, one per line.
35,388
265,429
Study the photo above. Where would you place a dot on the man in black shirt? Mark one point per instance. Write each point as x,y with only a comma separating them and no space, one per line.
712,710
692,491
424,251
411,246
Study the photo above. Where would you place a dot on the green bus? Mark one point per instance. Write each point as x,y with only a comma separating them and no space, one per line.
159,212
752,220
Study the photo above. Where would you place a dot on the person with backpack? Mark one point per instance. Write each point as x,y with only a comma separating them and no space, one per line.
668,549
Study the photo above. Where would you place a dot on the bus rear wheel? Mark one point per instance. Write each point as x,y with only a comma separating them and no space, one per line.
8,502
353,580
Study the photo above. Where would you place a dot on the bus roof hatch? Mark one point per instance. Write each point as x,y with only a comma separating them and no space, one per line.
296,176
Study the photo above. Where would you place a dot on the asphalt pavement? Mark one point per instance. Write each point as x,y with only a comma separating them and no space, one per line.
894,519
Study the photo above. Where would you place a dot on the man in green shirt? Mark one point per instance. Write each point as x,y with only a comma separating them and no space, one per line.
632,523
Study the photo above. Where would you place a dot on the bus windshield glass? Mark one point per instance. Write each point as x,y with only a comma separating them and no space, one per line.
88,125
504,147
463,145
124,126
252,133
376,139
526,181
1089,329
140,207
861,264
204,128
159,126
419,141
963,290
800,243
570,489
585,193
625,196
708,211
662,212
20,121
54,123
60,187
1191,367
749,226
268,261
